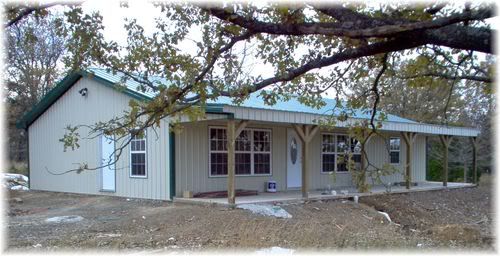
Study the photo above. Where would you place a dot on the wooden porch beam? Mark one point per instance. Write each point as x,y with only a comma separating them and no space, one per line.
300,131
313,132
445,140
474,158
409,138
241,126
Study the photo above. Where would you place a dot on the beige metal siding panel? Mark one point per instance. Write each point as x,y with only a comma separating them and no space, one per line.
192,170
101,104
320,180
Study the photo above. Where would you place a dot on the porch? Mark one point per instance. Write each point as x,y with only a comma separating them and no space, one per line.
296,195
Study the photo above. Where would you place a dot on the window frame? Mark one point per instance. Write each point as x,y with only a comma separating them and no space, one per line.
391,150
252,153
336,153
145,151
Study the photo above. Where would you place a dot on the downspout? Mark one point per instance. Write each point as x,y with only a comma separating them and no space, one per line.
172,163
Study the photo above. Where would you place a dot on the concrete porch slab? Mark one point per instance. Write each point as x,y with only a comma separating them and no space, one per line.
291,196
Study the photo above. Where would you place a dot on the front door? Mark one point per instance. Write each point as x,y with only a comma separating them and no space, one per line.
294,160
108,166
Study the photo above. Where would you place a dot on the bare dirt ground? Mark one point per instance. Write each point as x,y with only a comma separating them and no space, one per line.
458,219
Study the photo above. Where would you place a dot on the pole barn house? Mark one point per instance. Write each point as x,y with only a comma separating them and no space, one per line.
280,143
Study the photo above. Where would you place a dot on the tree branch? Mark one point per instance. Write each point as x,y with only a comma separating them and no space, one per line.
375,91
345,29
27,10
449,77
348,54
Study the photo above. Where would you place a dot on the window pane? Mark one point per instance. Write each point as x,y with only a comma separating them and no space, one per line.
262,141
243,163
262,164
355,146
395,143
394,157
243,142
356,158
213,145
328,163
342,143
138,164
218,163
213,134
328,144
218,141
342,161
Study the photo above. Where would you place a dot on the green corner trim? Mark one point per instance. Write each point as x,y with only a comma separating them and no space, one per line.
172,163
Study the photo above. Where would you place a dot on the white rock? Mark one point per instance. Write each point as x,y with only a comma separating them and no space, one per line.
19,187
64,219
266,209
109,235
15,177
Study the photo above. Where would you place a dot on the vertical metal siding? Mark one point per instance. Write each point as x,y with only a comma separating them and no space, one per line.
101,104
192,160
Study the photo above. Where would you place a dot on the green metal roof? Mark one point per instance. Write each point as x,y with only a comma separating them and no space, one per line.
132,88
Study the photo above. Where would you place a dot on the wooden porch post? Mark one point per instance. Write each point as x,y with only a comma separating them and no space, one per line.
306,134
474,158
409,138
232,134
445,140
231,197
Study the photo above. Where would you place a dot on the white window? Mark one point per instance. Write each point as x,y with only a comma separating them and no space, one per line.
138,156
395,145
335,152
252,152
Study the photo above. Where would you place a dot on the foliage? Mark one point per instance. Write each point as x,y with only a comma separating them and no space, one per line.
456,172
34,54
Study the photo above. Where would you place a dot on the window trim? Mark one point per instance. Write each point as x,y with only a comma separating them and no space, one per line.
252,152
391,150
145,176
333,153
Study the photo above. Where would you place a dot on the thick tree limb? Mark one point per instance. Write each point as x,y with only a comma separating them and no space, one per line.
346,29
